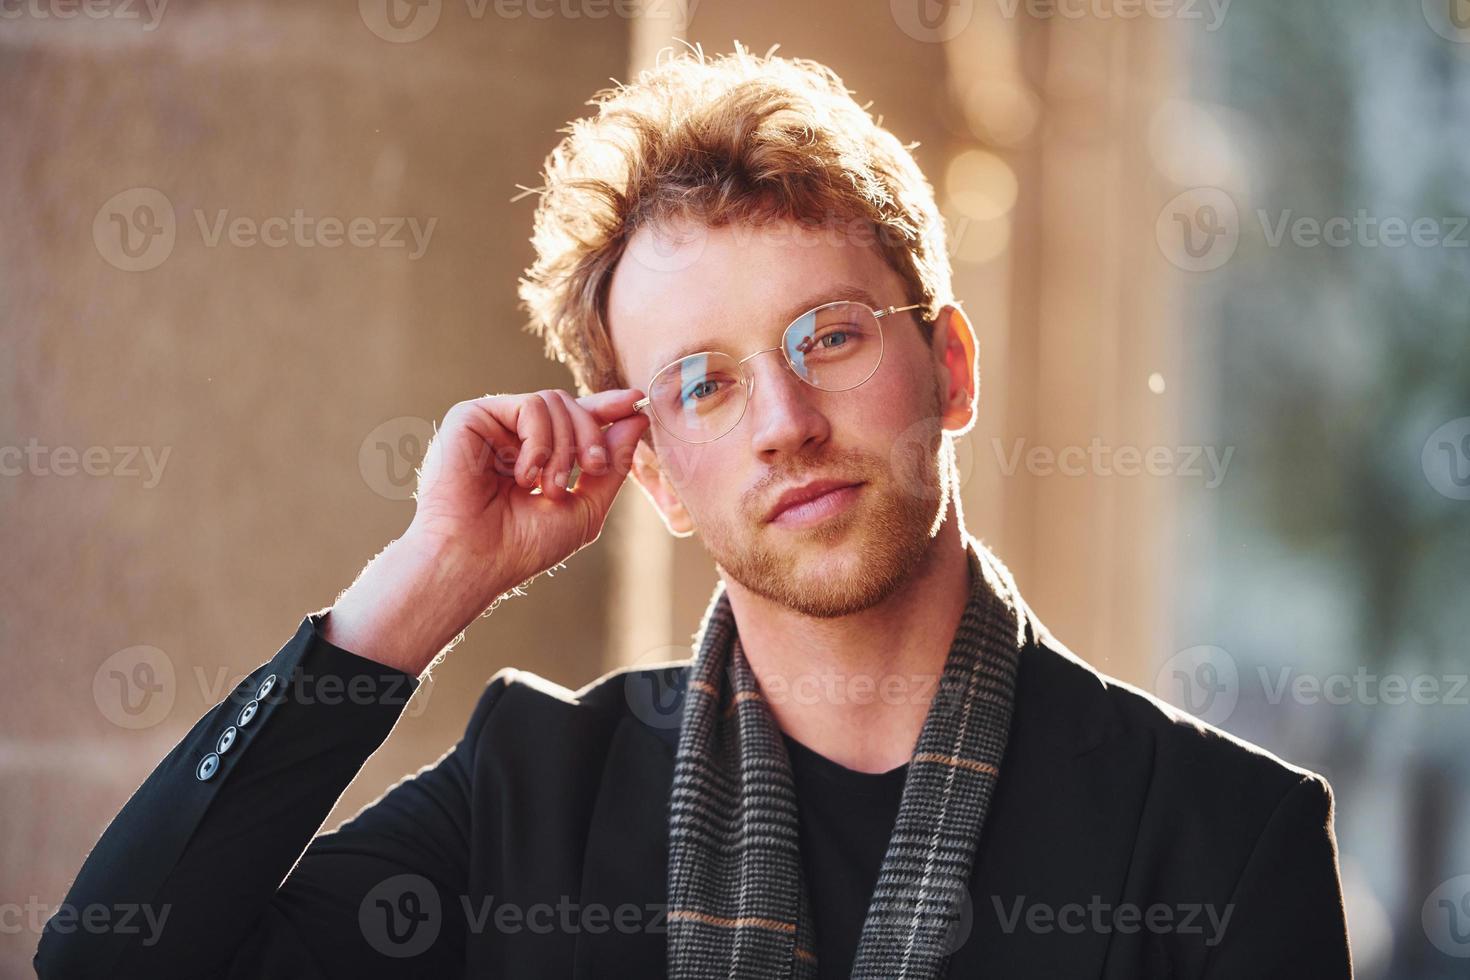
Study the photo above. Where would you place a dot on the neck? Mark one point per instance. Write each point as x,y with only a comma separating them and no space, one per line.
857,688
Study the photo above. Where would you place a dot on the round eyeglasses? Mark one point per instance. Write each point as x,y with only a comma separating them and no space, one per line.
834,347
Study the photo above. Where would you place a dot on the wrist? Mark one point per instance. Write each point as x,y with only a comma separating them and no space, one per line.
410,603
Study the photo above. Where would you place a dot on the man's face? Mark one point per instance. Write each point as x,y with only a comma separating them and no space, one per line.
734,289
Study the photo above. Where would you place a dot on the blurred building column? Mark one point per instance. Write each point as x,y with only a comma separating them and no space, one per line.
1073,303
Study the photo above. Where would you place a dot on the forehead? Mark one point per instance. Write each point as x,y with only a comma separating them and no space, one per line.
687,287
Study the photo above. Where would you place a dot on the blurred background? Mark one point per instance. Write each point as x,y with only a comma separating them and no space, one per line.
1216,253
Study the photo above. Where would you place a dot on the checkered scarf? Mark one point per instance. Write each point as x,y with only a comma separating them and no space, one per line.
738,903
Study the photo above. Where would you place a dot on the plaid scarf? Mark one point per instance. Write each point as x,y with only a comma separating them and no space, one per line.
738,904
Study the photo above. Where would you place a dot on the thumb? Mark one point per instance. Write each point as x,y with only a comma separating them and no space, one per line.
621,439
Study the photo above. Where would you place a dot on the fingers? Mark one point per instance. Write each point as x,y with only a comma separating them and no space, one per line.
554,431
591,450
555,474
600,489
533,427
610,405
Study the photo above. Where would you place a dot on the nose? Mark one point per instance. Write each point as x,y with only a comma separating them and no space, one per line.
784,413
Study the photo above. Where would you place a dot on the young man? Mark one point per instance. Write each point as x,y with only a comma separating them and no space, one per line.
878,763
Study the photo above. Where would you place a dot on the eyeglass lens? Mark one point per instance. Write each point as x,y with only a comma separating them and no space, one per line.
833,347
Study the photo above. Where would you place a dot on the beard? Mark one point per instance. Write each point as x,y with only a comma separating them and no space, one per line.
856,559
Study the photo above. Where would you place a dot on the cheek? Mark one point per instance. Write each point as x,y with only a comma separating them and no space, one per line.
891,401
698,475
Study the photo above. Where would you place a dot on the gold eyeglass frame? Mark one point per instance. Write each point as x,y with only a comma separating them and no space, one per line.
747,380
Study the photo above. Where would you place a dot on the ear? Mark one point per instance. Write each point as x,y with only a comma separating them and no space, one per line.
660,492
957,365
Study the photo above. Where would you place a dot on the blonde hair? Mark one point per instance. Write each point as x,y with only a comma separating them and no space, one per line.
735,138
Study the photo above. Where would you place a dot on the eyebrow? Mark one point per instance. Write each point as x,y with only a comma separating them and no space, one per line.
834,293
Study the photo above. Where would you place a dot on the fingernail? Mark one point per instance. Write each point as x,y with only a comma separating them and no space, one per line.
561,480
597,453
534,472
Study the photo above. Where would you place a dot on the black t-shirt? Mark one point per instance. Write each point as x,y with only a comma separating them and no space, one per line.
847,818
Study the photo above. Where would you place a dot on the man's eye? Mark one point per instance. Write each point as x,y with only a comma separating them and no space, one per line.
701,390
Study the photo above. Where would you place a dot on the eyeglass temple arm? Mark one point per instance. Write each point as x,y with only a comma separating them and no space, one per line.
897,309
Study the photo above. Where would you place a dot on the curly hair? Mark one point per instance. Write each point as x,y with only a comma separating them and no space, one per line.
736,138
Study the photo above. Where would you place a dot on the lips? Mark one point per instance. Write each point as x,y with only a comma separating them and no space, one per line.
805,492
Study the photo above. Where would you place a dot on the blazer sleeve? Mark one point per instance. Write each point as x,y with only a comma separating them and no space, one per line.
1286,915
214,862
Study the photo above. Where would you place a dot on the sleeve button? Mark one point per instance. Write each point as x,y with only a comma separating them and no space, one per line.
226,739
208,766
266,686
247,713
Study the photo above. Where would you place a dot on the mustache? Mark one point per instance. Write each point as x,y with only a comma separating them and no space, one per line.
849,468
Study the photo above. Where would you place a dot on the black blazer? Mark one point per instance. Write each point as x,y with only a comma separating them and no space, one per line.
537,846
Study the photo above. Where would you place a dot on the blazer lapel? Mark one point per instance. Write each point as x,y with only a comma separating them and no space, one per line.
1055,850
625,872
